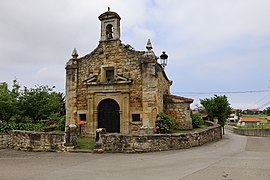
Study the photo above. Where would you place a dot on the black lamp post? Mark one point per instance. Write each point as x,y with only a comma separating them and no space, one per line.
163,59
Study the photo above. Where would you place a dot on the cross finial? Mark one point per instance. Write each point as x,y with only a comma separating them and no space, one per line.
109,9
149,45
74,53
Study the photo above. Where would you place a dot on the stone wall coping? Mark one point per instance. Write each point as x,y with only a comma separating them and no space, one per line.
4,134
162,135
250,128
36,132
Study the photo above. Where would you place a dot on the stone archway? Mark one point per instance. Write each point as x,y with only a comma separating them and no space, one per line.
109,116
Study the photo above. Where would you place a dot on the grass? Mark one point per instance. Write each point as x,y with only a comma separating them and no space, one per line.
86,142
189,131
261,126
254,116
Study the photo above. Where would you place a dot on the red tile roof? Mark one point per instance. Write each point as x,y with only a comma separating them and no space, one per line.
250,120
268,118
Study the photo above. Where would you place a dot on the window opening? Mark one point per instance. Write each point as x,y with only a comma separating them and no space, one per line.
82,117
136,117
110,75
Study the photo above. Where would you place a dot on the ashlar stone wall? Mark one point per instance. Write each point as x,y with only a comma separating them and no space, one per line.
179,108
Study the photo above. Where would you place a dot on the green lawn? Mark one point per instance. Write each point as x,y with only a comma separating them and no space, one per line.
85,142
261,126
254,116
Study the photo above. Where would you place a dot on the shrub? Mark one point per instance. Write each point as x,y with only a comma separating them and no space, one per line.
164,124
6,127
61,123
197,120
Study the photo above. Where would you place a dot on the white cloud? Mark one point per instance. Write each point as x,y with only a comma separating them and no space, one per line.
211,44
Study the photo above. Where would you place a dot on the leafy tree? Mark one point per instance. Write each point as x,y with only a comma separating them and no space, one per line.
267,111
41,102
8,101
217,106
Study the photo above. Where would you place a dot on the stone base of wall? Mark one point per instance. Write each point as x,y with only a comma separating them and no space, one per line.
4,140
252,132
157,142
36,141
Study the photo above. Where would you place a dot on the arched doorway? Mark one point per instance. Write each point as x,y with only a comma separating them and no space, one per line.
108,115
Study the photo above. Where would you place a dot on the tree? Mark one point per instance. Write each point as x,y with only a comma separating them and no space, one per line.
266,111
8,101
217,106
41,103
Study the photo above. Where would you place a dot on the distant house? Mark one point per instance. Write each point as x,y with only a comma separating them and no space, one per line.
268,119
233,118
249,122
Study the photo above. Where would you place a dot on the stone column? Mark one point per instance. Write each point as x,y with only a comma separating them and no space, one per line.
126,113
71,134
71,91
91,120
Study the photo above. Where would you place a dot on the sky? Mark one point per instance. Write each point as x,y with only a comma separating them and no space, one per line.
214,47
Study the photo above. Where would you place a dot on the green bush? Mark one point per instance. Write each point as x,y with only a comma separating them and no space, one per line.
164,124
6,127
197,120
61,123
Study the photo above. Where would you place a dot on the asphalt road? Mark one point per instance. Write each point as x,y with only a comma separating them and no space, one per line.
234,157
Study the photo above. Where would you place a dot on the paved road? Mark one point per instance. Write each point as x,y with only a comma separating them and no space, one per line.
234,157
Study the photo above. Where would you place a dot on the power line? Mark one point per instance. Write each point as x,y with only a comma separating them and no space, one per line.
257,102
264,105
224,92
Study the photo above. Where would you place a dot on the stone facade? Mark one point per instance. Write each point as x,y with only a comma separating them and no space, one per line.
118,88
133,143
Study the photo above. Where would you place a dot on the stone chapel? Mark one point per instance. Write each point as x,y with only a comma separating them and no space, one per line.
118,88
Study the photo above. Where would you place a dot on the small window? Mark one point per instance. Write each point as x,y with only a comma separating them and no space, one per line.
136,117
110,75
82,117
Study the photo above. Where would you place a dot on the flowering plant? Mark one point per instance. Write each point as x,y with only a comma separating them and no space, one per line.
164,124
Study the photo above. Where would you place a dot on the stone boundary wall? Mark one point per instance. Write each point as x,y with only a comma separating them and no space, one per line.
156,142
252,132
36,141
4,139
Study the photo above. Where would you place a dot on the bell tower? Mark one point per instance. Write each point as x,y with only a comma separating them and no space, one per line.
110,26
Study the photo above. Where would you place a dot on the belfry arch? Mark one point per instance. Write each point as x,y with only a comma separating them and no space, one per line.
109,31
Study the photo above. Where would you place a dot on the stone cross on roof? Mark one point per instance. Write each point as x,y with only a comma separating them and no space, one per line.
74,53
149,45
